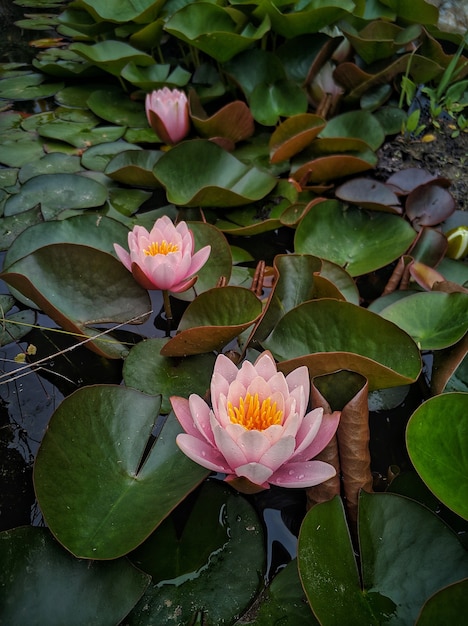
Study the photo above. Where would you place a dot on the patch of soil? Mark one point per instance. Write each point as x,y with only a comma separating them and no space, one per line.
443,156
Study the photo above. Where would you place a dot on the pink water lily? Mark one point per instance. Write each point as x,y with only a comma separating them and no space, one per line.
168,115
163,258
258,429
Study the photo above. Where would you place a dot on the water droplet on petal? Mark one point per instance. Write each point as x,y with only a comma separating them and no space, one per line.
203,453
301,477
291,472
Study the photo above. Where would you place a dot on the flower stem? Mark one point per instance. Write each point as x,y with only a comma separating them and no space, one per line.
167,310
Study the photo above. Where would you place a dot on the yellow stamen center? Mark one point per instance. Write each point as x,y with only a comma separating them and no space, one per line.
160,247
253,415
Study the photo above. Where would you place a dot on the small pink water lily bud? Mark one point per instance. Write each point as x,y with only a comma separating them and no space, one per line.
168,114
257,429
163,258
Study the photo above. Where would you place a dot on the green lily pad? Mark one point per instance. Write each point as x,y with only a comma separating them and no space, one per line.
134,167
53,163
63,63
396,535
356,124
78,286
200,173
436,438
99,492
212,320
81,134
322,170
306,17
147,370
55,193
221,539
219,264
113,105
12,227
122,10
434,320
30,86
19,148
215,30
284,601
317,333
43,584
98,157
155,76
354,239
446,605
111,56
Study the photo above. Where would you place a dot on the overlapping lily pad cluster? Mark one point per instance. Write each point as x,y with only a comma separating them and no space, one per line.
240,122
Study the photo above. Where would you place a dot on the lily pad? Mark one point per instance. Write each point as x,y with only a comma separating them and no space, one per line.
221,539
80,134
200,173
13,326
318,334
98,157
395,535
55,193
212,320
78,286
113,105
111,56
218,32
434,320
147,370
53,163
134,167
436,437
102,432
43,584
30,86
122,10
357,241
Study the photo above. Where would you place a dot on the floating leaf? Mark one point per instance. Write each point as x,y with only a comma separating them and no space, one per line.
428,205
55,193
113,105
217,31
329,335
436,438
102,431
212,320
43,584
221,539
13,326
200,173
78,286
293,135
111,56
434,320
147,370
396,534
134,167
30,86
358,241
446,605
369,194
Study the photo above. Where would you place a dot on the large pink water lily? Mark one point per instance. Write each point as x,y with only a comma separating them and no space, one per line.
163,258
258,429
168,115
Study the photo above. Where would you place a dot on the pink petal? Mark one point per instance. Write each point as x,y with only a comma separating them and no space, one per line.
253,444
301,475
199,259
200,413
181,408
202,453
228,447
300,378
308,430
266,365
278,453
246,373
255,472
184,285
124,256
323,437
226,368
